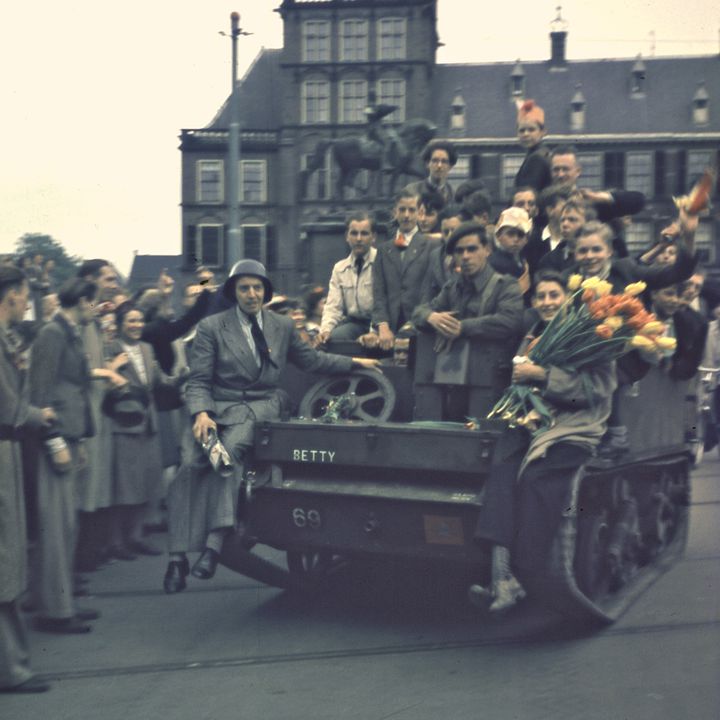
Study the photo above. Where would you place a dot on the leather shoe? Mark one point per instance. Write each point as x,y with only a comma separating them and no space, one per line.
142,548
87,614
174,580
33,685
64,626
206,565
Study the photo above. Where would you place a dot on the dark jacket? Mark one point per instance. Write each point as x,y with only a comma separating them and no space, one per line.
691,331
535,170
488,305
160,332
438,273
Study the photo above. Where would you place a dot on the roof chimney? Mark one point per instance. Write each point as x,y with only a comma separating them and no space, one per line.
558,37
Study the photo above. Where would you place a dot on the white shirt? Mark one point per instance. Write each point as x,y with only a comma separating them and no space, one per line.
547,237
408,236
138,362
350,295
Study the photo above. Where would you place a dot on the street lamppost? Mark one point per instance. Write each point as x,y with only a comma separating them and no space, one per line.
235,243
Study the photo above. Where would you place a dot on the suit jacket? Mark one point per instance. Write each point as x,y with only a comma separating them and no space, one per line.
691,331
439,272
535,170
225,375
60,378
398,281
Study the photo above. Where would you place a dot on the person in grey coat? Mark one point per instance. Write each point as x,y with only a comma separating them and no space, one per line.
16,675
237,360
60,378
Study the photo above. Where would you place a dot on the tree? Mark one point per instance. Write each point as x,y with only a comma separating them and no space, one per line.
39,244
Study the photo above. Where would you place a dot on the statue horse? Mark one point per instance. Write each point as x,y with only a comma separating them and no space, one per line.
358,152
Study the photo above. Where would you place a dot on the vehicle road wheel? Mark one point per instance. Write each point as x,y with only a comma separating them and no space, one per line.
374,396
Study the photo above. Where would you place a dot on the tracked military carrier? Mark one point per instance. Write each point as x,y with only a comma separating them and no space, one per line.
388,475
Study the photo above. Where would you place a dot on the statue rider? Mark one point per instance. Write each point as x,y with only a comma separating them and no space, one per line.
383,135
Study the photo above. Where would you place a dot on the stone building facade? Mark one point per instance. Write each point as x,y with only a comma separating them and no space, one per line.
645,124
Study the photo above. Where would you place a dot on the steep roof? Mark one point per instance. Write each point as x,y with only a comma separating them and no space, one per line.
665,106
260,101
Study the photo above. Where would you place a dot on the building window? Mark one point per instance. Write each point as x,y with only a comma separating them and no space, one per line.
391,91
353,100
315,102
660,170
317,185
638,237
353,40
510,166
391,39
704,243
592,170
461,170
255,242
209,245
614,171
316,41
697,161
209,181
638,172
253,181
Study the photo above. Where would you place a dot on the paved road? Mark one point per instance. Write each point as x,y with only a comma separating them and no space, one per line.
231,648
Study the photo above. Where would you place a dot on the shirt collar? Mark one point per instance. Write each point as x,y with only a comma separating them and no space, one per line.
245,320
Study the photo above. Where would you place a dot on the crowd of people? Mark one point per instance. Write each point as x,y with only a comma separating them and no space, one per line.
120,416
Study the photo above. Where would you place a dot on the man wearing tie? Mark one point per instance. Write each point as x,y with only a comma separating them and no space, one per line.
400,268
236,364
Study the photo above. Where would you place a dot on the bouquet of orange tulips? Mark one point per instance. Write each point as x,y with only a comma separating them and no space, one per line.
593,326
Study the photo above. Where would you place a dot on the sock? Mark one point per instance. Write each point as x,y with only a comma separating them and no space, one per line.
500,563
215,540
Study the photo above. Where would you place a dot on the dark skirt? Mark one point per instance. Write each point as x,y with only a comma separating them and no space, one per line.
137,467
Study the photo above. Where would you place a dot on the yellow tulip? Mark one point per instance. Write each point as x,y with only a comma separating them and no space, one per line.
574,282
603,288
614,321
642,342
635,288
655,327
590,283
666,343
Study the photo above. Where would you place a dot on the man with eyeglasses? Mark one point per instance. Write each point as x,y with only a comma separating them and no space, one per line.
439,158
349,303
478,302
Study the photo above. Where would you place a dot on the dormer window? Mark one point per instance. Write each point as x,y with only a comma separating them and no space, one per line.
637,77
577,110
701,105
457,112
517,81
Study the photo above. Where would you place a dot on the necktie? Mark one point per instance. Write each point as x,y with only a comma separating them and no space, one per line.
359,262
400,241
259,338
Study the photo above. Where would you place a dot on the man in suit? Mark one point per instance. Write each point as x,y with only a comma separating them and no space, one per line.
236,363
60,378
16,675
401,266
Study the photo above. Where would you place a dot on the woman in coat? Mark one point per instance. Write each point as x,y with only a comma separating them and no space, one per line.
136,454
526,494
60,378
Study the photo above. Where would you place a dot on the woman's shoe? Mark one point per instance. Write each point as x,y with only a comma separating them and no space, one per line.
174,580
